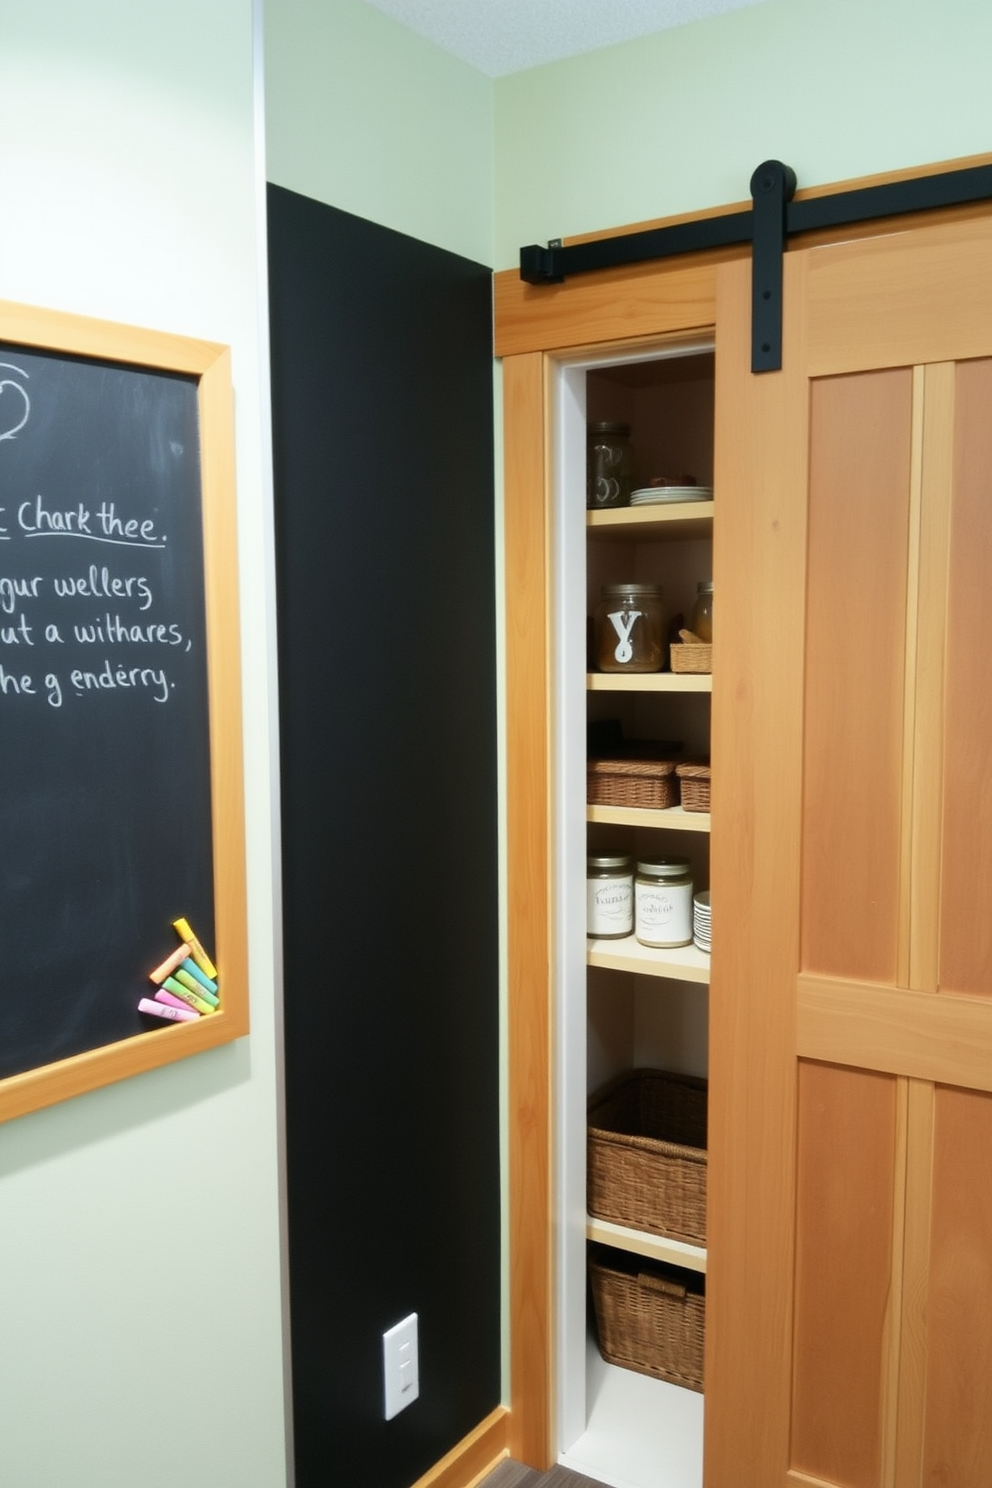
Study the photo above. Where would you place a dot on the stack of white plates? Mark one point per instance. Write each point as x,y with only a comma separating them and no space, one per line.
654,495
701,919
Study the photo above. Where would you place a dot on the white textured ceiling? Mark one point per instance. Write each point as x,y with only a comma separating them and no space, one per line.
502,36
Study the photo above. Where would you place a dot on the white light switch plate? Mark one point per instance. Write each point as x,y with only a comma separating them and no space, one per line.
400,1366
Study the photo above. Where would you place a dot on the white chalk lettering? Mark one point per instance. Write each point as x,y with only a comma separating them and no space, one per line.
16,635
110,677
9,684
111,630
11,590
130,530
21,411
99,583
34,518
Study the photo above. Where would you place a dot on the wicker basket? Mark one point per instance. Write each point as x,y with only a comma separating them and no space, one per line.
646,1154
647,783
694,787
698,658
649,1317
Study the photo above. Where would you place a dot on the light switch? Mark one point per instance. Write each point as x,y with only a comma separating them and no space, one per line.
400,1366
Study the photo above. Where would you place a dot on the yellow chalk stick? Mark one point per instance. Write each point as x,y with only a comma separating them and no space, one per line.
203,961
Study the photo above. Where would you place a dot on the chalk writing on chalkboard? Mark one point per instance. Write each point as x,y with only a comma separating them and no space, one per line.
105,799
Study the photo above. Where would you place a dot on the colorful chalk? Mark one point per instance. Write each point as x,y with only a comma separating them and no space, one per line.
190,966
192,999
163,996
203,961
169,964
192,985
163,1010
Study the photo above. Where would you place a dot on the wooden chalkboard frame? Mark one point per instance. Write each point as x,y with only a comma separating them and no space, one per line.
210,365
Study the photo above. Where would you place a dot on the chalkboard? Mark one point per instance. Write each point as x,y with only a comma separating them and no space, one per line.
116,674
381,350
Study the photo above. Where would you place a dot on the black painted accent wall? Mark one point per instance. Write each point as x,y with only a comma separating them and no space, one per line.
382,411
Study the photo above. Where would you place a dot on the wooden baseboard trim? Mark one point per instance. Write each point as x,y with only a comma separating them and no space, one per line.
473,1458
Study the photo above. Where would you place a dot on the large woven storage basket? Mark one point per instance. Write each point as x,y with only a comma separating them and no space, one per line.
646,1154
647,783
649,1317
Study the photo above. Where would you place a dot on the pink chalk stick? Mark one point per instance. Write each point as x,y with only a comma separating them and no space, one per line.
162,1010
163,996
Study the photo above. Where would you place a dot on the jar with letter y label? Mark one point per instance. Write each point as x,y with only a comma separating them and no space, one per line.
609,897
630,628
663,902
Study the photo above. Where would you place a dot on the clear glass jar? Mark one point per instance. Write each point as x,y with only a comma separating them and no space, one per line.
608,465
702,614
663,902
630,625
609,896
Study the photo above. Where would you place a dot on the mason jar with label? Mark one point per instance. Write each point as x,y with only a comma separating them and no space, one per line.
609,896
630,628
663,902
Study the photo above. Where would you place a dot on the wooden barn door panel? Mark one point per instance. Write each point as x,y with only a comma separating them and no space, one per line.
846,1180
849,1297
957,1435
965,958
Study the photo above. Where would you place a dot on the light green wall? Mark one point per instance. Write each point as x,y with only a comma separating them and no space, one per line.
679,120
140,1327
368,117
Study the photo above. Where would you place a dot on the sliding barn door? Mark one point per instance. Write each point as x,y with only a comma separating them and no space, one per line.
850,1291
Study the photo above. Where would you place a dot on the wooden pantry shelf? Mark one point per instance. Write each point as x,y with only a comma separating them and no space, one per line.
681,964
649,682
672,819
638,1242
679,522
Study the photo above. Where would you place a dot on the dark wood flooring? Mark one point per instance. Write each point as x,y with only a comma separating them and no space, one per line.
513,1475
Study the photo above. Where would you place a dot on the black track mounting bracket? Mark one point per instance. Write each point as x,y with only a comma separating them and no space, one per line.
773,185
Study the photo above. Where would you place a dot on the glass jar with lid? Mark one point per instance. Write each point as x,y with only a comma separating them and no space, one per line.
630,628
663,902
702,613
608,465
609,896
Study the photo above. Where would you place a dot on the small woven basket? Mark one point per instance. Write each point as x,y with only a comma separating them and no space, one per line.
697,658
647,783
649,1317
646,1154
694,786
